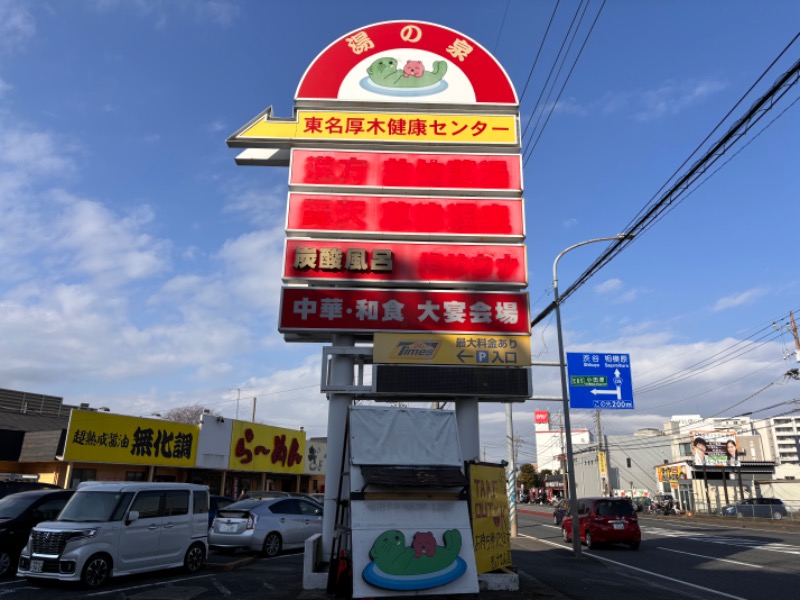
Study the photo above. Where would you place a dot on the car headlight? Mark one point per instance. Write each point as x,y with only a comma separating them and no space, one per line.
82,534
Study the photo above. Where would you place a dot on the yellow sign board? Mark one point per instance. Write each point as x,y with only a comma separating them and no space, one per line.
324,125
481,350
491,528
601,461
264,448
105,438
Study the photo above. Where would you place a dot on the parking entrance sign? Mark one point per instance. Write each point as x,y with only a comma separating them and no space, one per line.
600,381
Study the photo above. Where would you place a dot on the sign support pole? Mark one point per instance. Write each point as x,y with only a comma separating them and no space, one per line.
341,373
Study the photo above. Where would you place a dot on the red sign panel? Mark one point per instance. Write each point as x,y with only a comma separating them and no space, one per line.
328,168
405,262
406,216
541,416
369,310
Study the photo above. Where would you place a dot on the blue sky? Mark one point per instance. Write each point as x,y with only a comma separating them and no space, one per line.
139,264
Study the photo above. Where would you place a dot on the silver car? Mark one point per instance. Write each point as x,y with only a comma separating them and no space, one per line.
266,525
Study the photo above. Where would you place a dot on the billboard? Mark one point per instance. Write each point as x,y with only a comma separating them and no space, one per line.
452,349
371,310
407,170
413,263
406,217
106,438
715,448
541,417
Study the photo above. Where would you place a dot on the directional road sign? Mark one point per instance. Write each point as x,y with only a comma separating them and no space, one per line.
599,381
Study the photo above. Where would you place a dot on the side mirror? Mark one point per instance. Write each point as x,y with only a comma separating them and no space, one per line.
132,516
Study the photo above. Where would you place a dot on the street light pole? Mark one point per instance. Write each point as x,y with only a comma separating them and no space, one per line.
573,496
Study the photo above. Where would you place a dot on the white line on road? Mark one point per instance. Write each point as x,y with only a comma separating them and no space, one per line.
735,562
138,587
672,579
221,588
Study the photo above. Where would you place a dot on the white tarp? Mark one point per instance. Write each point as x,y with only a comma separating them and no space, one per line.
404,436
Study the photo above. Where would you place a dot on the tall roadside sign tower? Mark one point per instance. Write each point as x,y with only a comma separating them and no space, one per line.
404,224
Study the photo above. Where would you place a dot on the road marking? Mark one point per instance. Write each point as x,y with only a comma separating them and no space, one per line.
221,588
12,582
727,560
672,579
138,587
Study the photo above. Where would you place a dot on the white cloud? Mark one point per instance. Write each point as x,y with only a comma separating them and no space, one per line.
4,88
739,299
106,246
261,207
608,286
569,223
672,97
17,25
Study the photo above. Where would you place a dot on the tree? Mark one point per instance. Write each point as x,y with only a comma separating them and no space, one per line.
191,414
528,477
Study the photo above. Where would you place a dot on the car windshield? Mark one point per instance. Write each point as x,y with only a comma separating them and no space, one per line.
14,505
85,507
613,509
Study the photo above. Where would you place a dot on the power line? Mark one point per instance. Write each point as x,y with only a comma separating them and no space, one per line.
538,53
654,211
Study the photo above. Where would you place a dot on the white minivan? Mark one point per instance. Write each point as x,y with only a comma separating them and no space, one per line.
114,528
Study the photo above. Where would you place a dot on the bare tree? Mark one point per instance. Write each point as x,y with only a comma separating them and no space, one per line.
191,414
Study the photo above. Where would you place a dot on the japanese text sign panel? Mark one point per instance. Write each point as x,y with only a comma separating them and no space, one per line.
263,448
390,128
491,529
406,170
600,381
452,349
105,438
370,310
416,263
406,216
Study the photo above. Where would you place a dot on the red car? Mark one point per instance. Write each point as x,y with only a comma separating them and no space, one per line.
604,520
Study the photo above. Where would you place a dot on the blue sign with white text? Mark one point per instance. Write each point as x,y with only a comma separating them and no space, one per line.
599,381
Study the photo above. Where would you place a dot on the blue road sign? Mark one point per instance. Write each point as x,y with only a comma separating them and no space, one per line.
599,381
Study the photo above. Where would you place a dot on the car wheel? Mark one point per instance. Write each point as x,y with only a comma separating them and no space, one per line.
565,535
6,563
590,542
96,571
272,544
777,515
634,545
195,557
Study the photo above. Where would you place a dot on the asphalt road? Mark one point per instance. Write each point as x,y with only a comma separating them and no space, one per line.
678,559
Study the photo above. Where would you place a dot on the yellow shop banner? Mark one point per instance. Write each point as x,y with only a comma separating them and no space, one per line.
268,449
105,438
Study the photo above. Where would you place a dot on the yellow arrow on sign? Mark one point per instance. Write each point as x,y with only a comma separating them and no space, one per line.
379,127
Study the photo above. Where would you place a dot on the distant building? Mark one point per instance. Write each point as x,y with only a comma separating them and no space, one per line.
551,441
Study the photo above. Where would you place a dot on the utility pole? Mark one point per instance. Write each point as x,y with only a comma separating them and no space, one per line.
563,458
511,475
796,338
253,420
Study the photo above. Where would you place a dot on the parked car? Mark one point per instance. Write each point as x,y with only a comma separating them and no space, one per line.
109,529
267,525
14,486
767,508
560,511
263,494
604,520
19,513
318,497
215,503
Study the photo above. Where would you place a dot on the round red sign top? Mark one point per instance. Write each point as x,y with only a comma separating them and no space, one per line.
409,62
